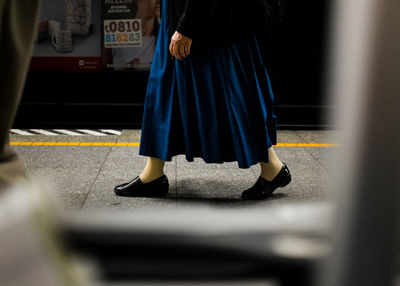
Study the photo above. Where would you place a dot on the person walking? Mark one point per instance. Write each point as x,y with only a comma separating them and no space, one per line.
208,95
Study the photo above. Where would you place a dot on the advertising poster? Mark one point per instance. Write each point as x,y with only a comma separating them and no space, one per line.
129,33
69,36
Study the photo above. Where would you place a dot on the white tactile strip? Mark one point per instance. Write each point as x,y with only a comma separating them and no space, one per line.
71,132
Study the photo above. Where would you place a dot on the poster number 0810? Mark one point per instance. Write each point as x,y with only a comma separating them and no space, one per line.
122,33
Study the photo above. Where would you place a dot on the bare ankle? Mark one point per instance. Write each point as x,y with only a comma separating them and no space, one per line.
145,177
270,170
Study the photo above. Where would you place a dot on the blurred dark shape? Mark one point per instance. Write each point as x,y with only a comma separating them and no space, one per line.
281,243
364,84
17,33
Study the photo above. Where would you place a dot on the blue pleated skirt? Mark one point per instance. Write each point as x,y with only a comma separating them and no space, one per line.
217,105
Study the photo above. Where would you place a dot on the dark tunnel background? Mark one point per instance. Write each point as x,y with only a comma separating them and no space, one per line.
294,54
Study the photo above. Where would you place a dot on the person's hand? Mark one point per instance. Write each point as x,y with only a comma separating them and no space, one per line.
180,46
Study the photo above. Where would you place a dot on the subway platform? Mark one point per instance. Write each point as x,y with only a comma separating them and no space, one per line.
83,170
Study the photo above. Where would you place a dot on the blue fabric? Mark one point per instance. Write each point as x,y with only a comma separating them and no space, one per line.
216,104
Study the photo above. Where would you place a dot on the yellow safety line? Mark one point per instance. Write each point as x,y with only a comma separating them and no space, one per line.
125,144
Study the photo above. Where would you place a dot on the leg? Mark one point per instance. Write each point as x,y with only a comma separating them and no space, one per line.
11,166
154,169
271,169
18,21
274,174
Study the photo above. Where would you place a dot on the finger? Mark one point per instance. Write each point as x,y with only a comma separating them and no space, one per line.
182,51
171,51
187,49
176,52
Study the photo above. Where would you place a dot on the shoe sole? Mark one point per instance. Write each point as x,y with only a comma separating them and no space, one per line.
142,195
145,194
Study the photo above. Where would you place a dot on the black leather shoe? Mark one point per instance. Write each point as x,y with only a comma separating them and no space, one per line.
264,188
136,188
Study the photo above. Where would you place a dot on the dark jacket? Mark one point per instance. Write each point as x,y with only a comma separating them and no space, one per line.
214,23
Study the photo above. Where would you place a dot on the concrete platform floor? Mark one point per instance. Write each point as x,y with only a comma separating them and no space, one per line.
84,176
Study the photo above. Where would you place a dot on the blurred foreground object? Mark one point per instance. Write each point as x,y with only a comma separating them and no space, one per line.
18,27
280,243
31,249
41,244
365,85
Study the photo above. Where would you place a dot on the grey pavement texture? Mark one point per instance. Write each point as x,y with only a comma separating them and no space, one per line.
84,176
